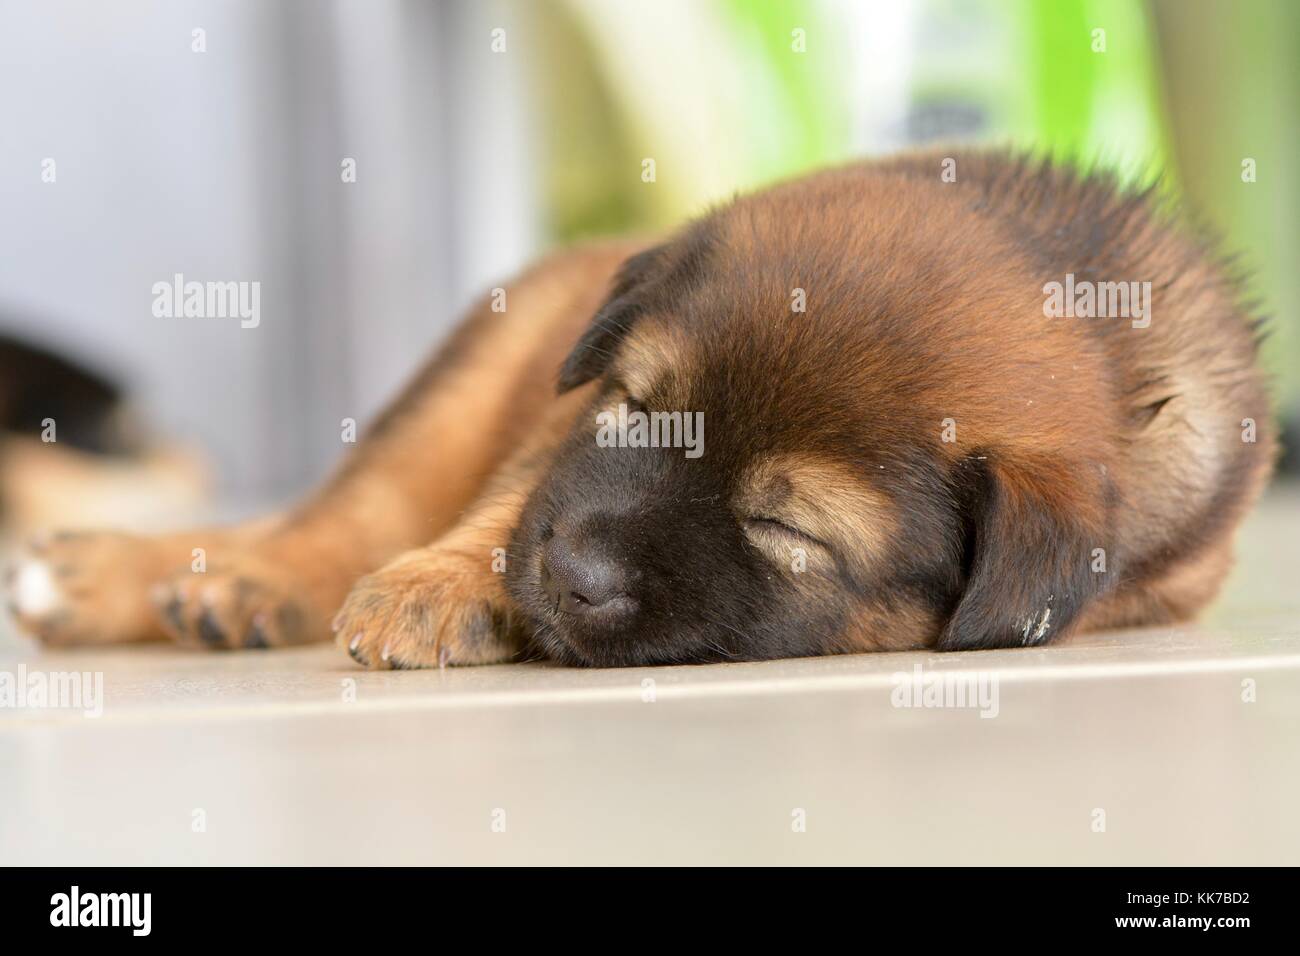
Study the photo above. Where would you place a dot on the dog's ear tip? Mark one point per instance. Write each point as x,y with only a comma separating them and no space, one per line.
577,369
567,381
960,634
950,640
1030,577
591,354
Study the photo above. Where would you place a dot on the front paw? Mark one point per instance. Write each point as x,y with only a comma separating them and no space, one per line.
76,588
428,608
241,600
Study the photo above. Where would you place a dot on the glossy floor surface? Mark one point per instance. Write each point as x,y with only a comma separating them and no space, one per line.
1172,746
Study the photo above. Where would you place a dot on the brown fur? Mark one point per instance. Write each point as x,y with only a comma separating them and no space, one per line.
924,306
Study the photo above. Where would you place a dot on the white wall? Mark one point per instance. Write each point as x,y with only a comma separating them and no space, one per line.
224,165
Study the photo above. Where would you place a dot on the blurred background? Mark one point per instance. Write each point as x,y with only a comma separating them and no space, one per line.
144,138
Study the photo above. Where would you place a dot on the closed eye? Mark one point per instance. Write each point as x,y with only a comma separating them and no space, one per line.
762,523
621,394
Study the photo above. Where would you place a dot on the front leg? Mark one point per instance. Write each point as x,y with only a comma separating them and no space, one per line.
447,603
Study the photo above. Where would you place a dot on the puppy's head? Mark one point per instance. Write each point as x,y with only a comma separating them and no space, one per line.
761,472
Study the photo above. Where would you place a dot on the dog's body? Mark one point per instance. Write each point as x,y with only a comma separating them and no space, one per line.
902,449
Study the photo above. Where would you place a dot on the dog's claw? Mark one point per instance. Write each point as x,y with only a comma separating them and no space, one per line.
256,636
353,650
210,631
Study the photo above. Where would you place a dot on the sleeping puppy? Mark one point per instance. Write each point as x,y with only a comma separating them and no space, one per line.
872,409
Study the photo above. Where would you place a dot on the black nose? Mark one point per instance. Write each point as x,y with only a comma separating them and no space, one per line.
580,577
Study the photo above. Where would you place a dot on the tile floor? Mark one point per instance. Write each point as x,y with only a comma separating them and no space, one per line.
278,757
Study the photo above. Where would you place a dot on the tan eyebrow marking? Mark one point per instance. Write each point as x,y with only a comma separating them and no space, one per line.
652,357
825,499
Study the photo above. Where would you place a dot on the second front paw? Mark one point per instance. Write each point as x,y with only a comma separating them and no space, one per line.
428,608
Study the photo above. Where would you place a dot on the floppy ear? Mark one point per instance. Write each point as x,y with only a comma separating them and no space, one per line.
1030,554
591,356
